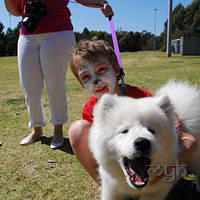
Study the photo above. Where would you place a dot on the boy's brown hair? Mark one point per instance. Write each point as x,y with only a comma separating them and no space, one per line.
92,50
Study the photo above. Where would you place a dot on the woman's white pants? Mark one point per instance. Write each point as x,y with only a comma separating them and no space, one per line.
44,58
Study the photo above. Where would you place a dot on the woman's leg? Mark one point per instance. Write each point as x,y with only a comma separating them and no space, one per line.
78,136
55,51
31,80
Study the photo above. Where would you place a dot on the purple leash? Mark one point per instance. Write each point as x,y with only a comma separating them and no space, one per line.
117,52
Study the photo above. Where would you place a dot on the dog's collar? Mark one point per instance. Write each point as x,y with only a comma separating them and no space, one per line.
178,124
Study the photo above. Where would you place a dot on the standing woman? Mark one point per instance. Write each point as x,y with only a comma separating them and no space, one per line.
44,47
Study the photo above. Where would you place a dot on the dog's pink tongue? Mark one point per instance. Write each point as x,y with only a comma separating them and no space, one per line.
136,168
138,180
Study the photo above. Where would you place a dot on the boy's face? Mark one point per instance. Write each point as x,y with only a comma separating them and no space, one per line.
97,77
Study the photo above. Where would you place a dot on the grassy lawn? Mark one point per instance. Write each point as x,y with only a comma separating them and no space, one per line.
38,172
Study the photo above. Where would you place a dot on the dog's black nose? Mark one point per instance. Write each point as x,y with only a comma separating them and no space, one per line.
142,145
96,81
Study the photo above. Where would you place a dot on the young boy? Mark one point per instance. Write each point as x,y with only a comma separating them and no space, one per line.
95,66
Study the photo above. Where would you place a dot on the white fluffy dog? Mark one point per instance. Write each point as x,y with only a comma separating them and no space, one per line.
134,140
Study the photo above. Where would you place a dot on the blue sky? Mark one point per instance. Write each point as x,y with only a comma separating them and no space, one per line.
130,15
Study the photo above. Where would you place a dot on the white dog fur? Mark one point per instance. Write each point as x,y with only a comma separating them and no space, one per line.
118,124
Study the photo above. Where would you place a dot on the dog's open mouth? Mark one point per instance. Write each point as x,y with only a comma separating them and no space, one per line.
137,170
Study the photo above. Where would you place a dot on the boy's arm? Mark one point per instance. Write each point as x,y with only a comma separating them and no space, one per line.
13,7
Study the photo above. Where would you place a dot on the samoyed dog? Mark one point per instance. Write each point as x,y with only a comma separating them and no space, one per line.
135,140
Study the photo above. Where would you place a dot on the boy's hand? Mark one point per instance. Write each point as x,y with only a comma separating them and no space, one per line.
189,148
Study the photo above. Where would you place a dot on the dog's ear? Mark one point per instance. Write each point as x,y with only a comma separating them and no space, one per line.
165,104
105,104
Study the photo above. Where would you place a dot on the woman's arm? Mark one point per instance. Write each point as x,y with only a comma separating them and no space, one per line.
13,7
92,3
104,5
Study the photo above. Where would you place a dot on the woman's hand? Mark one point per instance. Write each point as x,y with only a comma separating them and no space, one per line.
107,10
104,5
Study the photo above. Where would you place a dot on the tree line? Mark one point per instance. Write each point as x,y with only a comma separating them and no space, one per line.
128,41
185,20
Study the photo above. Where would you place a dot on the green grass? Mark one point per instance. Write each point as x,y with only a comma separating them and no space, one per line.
38,172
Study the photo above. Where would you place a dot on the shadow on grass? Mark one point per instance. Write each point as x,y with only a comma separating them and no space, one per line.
66,147
182,190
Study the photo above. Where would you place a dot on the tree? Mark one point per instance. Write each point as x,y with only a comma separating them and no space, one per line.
178,20
196,21
131,42
2,40
184,21
147,40
86,34
11,39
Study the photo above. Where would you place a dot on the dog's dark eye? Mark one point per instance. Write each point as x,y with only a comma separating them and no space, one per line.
152,131
125,131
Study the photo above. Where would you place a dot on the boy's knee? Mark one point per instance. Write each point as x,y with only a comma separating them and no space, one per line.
78,132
